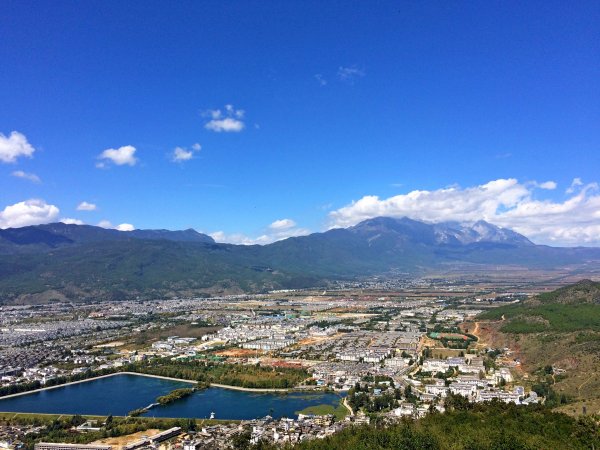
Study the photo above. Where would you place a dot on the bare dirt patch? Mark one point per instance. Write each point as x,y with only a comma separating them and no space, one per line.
127,439
238,352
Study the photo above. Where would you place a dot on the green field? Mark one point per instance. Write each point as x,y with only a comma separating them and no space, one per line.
339,411
231,374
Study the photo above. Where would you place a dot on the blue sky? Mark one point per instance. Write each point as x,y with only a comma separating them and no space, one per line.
338,111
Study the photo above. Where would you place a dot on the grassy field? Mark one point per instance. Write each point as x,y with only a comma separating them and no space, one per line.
576,408
339,411
230,374
443,353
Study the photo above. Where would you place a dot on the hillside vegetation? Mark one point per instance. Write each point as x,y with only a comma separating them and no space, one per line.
556,336
493,426
571,308
59,262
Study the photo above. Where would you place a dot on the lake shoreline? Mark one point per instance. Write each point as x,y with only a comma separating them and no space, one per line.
181,380
120,395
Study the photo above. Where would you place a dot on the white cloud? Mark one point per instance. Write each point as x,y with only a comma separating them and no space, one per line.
181,154
121,227
125,227
28,212
70,221
227,125
282,224
227,120
14,146
26,176
278,230
548,185
85,206
238,238
121,156
350,74
504,202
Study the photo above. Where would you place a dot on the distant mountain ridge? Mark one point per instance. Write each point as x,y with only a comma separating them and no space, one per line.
443,232
80,261
53,235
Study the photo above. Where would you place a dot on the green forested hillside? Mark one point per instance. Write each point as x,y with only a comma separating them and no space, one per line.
556,337
571,308
66,262
494,426
129,269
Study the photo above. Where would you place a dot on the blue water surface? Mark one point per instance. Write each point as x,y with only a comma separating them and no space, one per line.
119,394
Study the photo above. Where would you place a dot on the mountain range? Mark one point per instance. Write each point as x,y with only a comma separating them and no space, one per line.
63,261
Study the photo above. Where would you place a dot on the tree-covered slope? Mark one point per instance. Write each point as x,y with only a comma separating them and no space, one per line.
136,268
59,261
572,308
494,426
556,337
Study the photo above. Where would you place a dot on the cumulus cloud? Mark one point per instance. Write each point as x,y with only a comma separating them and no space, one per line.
70,221
226,120
14,146
125,227
282,224
504,202
26,176
28,212
85,206
121,227
278,230
119,156
181,154
548,185
350,74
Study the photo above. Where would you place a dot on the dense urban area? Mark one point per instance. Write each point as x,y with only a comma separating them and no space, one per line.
395,350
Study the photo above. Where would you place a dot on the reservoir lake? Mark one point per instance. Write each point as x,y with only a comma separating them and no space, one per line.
119,394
